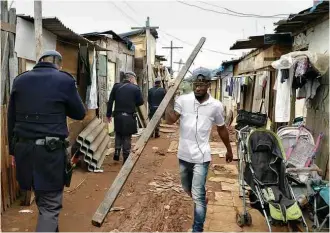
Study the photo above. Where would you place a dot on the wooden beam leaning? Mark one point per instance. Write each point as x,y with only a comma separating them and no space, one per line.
123,174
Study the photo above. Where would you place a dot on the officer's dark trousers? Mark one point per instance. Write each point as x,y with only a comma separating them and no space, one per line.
49,205
151,114
123,142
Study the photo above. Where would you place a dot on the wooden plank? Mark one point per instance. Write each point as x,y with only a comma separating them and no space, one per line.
39,46
4,162
126,169
7,27
4,65
13,60
142,111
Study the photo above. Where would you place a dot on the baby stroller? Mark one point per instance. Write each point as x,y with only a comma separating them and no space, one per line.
265,174
318,197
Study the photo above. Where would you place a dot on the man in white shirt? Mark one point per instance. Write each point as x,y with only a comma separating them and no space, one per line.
197,112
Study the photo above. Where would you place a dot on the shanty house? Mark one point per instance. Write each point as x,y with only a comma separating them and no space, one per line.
310,31
118,57
56,36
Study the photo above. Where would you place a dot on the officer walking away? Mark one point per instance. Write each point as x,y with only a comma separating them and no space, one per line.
40,101
127,96
155,96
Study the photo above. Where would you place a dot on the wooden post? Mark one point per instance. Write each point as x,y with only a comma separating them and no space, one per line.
126,169
4,51
38,37
38,27
148,82
149,67
13,60
171,48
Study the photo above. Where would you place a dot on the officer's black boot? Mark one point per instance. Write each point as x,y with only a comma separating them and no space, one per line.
116,155
157,132
125,158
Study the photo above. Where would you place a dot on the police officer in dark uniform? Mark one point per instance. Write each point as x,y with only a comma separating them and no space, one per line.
40,101
155,96
127,96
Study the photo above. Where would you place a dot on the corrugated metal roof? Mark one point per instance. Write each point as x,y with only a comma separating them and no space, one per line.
303,18
141,31
64,33
264,40
114,35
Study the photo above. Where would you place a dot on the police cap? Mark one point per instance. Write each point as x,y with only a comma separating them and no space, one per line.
157,79
51,53
130,73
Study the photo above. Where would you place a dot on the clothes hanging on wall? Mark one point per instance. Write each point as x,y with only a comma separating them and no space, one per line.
84,70
283,97
284,75
91,95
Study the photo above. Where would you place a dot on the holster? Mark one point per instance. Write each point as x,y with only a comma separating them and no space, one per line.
52,144
68,170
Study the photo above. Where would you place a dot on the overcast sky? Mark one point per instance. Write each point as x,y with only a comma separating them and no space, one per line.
187,23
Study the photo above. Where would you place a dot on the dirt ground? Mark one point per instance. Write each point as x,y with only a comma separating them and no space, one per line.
151,200
144,210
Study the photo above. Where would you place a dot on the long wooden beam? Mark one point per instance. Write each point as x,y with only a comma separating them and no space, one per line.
123,174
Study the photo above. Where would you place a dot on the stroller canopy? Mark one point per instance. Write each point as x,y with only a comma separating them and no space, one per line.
264,140
265,156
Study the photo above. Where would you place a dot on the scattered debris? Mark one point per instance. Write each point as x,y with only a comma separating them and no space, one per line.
26,211
117,209
167,130
169,126
224,169
165,183
69,191
98,171
155,148
167,207
173,148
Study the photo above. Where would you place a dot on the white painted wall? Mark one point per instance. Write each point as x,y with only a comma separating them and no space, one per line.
25,40
318,38
153,49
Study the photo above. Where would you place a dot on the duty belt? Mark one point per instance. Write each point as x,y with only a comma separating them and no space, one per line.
51,143
41,118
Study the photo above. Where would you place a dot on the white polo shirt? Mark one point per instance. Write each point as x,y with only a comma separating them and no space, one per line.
195,126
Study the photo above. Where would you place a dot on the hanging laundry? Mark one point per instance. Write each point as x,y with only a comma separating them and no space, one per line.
283,95
84,71
91,99
230,86
237,90
284,75
244,83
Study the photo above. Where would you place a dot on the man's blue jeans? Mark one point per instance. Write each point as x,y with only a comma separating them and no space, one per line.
193,179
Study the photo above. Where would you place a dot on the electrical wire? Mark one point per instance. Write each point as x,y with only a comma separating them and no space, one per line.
205,49
225,13
185,42
240,13
133,20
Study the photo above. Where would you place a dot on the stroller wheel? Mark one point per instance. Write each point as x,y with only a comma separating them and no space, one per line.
248,219
240,219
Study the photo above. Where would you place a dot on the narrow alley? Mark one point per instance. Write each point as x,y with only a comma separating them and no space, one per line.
152,198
